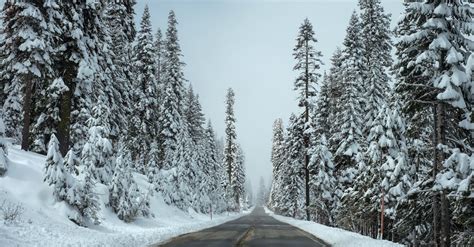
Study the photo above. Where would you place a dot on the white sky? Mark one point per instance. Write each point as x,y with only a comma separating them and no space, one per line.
247,45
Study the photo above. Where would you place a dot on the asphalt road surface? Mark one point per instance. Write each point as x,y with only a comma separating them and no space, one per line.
255,229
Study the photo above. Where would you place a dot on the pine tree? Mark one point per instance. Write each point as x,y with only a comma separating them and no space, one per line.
375,37
143,125
84,200
121,198
308,62
119,18
230,147
347,139
277,159
56,172
172,119
440,48
28,50
322,182
215,171
159,47
97,152
335,88
47,121
194,116
293,193
238,178
152,165
76,70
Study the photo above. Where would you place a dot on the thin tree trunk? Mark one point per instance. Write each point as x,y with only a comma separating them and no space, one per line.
306,138
435,203
27,110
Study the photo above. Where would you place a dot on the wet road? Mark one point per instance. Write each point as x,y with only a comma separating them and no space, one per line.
255,229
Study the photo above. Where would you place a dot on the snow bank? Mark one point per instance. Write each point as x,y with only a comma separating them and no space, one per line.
333,236
44,221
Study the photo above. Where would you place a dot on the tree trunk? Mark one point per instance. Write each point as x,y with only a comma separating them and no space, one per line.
27,110
306,138
441,210
65,108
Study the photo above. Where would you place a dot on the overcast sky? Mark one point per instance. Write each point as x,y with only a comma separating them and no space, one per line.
247,45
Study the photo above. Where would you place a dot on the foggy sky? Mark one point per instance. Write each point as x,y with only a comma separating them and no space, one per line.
247,45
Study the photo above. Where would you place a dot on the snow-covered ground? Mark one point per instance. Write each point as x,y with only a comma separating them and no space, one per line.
44,222
334,236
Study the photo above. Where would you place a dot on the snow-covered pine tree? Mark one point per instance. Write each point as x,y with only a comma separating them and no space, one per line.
238,178
322,112
387,161
414,211
97,152
440,39
172,119
216,173
293,193
3,149
277,159
84,200
230,148
194,117
119,18
335,87
323,181
144,123
308,62
347,138
122,199
56,171
27,49
376,45
152,165
13,109
159,48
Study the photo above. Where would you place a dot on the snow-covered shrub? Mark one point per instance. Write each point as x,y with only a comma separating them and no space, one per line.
10,212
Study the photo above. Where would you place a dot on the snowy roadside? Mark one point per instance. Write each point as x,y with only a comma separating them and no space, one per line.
43,221
333,236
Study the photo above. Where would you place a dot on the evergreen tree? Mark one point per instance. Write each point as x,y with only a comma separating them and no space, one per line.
121,197
119,18
172,119
84,200
159,47
323,182
56,172
27,50
293,193
347,137
375,37
277,158
215,171
308,62
335,87
143,124
230,146
97,152
439,52
238,178
194,116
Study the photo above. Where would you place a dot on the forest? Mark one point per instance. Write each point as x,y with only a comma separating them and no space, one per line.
383,145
